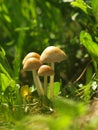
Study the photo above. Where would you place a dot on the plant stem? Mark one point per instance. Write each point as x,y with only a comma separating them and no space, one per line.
95,67
45,85
52,83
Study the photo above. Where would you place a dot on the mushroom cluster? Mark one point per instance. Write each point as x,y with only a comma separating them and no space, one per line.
39,65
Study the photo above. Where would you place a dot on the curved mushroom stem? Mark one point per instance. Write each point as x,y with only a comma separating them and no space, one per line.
45,84
38,83
52,83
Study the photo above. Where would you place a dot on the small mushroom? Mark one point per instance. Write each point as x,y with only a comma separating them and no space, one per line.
32,64
45,70
51,55
31,55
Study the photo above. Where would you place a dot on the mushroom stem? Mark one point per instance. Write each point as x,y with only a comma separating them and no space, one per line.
45,84
52,83
38,83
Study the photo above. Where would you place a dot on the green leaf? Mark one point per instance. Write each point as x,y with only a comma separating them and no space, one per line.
56,88
4,62
95,6
3,70
7,18
4,8
80,4
2,52
22,29
89,73
4,81
90,45
5,78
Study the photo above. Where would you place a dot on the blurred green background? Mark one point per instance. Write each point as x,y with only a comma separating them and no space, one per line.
32,25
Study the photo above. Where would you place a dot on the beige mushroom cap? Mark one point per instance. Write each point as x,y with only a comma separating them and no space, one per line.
52,54
31,55
31,64
45,70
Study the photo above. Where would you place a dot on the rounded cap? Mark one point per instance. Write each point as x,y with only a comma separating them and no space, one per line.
31,64
52,54
31,55
45,70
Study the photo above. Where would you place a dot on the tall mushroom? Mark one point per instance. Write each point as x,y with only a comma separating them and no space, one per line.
45,70
32,64
51,55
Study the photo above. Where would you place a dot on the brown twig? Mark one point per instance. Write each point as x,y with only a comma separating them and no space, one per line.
83,72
